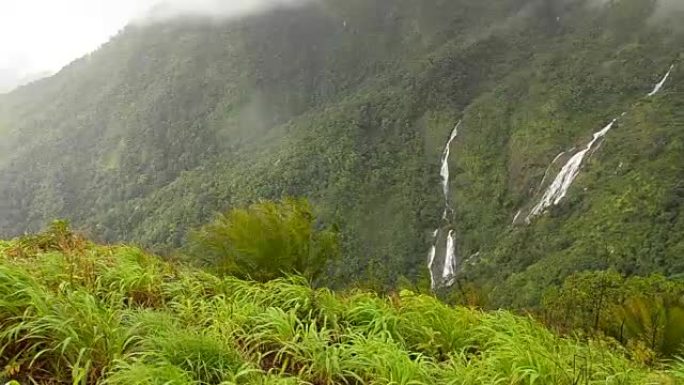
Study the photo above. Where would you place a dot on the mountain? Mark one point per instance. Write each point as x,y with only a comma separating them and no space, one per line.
353,105
11,79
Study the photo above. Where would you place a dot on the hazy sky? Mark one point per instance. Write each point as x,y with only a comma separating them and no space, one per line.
44,35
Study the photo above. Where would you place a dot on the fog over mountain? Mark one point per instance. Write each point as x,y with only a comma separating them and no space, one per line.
325,192
11,78
568,156
38,37
215,9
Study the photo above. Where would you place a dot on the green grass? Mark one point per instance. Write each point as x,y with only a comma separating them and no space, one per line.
72,312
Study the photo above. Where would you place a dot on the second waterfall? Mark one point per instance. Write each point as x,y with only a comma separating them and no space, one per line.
444,246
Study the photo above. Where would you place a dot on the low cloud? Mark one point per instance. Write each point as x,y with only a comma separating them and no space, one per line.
214,9
669,10
665,12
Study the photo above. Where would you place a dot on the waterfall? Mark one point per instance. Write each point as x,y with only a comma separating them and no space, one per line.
559,188
444,171
546,173
517,215
555,193
431,262
541,185
449,268
660,85
431,255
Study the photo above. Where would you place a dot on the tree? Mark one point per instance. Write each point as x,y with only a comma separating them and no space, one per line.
267,240
656,321
643,313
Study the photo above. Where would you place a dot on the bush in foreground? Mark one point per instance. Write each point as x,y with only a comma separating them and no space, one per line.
266,241
86,314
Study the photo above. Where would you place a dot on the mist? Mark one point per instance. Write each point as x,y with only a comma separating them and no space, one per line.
35,43
670,11
11,78
663,8
213,9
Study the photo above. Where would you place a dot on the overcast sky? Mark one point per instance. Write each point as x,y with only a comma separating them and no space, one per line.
45,35
38,36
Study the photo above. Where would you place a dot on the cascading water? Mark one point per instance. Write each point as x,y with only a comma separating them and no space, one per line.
431,256
555,193
660,85
449,267
444,171
449,270
517,215
546,173
559,188
431,262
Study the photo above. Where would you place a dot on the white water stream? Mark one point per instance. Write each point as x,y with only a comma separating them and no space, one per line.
449,271
449,267
558,189
660,85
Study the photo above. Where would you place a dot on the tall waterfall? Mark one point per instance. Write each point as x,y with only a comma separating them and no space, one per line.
558,189
660,85
546,173
449,259
444,171
449,270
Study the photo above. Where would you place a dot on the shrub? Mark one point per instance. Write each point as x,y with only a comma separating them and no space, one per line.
267,240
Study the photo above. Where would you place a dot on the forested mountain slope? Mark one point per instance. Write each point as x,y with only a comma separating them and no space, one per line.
351,104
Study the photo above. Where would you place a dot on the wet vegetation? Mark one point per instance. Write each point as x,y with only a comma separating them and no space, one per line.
73,312
187,138
350,105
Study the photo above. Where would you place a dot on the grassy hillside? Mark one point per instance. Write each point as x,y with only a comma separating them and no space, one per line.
73,312
350,104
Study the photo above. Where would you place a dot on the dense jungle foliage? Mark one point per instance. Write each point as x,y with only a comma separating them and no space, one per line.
73,312
349,104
